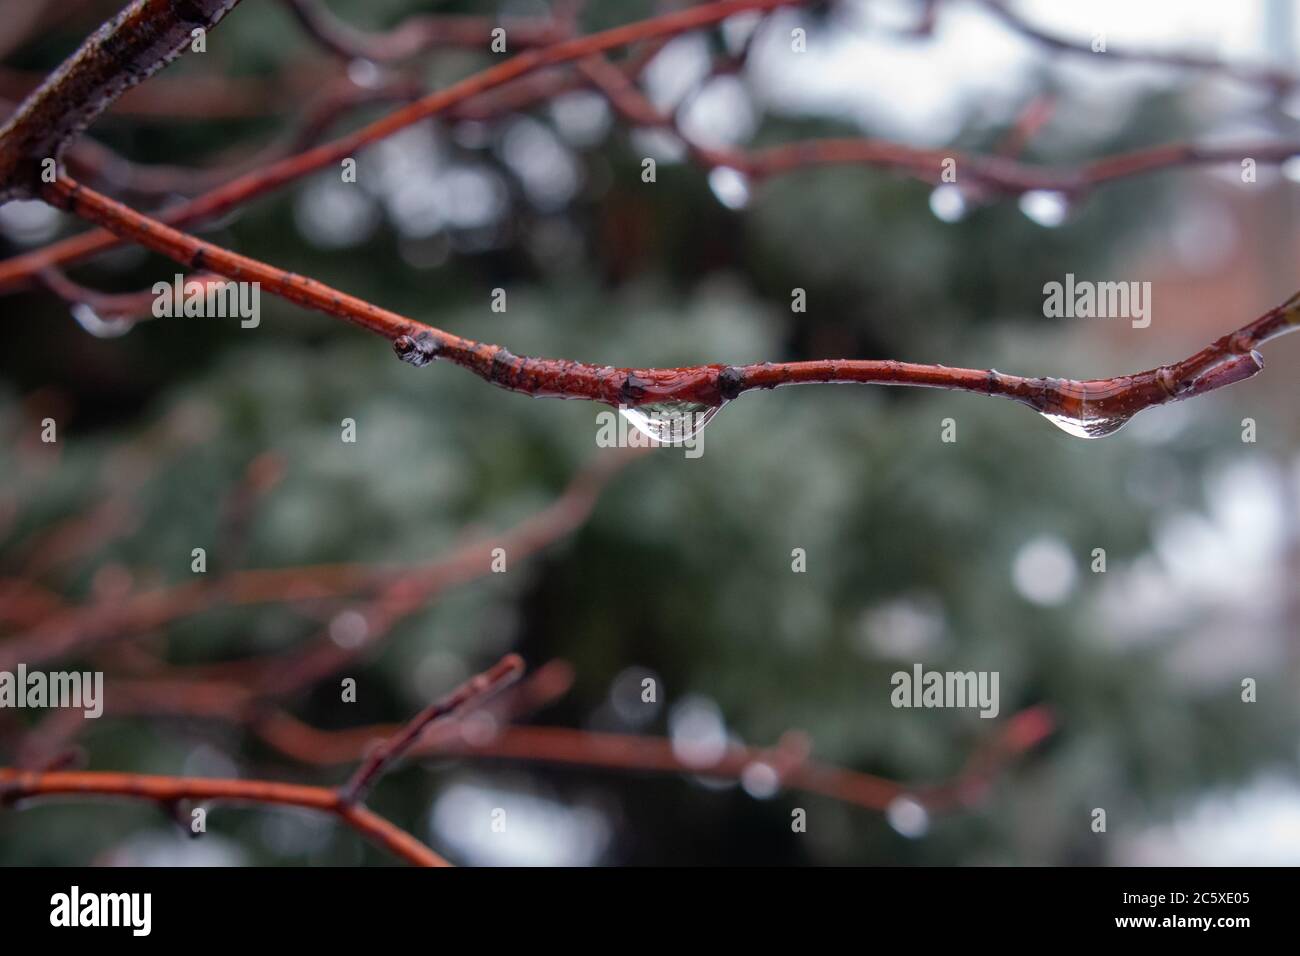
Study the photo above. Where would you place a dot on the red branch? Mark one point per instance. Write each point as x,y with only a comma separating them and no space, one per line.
996,174
401,591
1089,408
1272,79
989,174
167,791
421,33
563,745
271,177
139,41
344,802
470,694
496,739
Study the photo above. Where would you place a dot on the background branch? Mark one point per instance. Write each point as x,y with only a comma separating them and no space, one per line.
138,42
18,785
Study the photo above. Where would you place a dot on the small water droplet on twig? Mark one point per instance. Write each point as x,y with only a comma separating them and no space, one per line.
101,328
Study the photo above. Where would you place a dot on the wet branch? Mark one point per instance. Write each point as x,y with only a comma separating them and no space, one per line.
397,592
256,183
988,175
470,694
1087,408
998,174
789,759
18,785
139,41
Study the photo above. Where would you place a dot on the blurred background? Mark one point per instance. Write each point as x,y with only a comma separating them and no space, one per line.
968,555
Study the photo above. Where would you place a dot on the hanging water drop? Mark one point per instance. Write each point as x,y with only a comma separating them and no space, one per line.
1046,207
1087,426
670,422
730,186
948,203
101,328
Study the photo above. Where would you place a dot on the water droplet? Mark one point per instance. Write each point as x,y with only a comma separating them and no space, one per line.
760,780
730,186
1046,207
89,320
670,422
697,731
364,73
349,629
1291,169
28,222
1087,426
1044,571
908,817
948,203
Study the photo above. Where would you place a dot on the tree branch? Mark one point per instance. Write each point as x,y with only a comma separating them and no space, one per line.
421,33
253,184
401,591
131,47
610,751
1271,78
21,784
996,174
470,694
1086,408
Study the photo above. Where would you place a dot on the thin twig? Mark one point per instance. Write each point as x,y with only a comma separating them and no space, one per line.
401,591
256,183
1090,408
131,47
22,784
1271,78
470,694
421,33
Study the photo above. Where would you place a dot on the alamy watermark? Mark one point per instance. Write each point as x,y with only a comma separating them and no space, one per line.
133,911
212,298
83,690
922,688
1084,299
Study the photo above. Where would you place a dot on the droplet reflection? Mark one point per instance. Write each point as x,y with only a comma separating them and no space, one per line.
670,422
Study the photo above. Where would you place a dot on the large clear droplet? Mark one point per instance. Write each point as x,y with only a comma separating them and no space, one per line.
101,328
1087,426
730,186
1046,207
948,203
671,422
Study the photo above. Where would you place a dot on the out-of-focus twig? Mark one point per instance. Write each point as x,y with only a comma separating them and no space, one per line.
16,785
398,591
469,694
423,32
